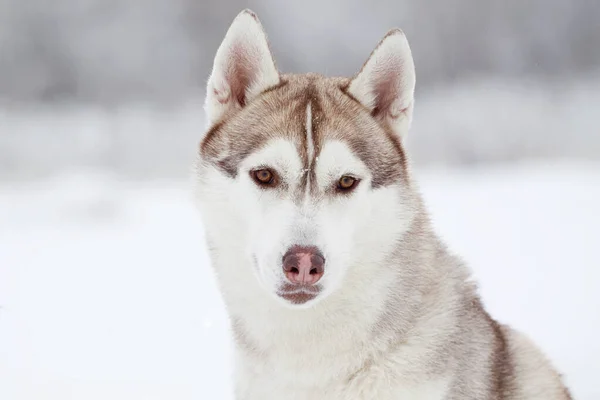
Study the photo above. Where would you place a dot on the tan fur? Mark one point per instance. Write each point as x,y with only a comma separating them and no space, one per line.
336,116
406,322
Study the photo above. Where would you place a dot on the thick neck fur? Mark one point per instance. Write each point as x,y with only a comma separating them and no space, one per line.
407,304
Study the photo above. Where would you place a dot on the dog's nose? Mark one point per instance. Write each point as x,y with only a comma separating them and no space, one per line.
303,265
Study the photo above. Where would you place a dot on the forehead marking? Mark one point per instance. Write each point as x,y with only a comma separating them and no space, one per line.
229,142
310,147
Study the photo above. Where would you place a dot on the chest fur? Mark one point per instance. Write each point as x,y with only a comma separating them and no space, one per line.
333,378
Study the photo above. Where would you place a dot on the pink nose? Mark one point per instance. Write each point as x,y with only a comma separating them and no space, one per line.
303,265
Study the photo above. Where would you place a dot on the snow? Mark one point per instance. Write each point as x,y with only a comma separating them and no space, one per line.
106,291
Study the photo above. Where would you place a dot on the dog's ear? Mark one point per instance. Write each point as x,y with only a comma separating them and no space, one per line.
386,83
243,68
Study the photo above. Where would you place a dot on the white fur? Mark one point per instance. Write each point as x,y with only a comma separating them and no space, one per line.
310,150
309,135
317,221
398,317
239,215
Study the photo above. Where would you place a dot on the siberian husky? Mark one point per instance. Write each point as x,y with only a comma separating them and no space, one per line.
336,285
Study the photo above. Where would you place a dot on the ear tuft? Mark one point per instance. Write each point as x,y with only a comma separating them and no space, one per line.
386,83
242,69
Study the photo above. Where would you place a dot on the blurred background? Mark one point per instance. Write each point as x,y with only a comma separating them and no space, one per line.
118,84
105,286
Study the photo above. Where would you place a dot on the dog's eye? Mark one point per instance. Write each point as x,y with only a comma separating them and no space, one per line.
263,177
347,183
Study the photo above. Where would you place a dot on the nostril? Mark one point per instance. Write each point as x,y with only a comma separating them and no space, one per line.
294,270
313,271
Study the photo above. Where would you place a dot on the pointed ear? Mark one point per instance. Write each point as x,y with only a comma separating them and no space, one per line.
386,82
242,69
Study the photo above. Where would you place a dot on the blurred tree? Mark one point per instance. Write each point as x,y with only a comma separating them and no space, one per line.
115,51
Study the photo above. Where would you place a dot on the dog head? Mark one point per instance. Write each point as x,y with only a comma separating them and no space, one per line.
302,178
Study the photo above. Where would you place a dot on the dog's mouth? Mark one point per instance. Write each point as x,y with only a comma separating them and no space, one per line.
298,294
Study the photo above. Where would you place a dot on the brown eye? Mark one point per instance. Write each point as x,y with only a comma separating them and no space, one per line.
347,183
263,177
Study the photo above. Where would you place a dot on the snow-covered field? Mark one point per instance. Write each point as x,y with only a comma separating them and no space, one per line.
106,292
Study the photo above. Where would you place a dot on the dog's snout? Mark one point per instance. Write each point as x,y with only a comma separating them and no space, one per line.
303,265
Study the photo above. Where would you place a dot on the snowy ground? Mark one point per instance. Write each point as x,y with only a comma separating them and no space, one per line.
106,292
